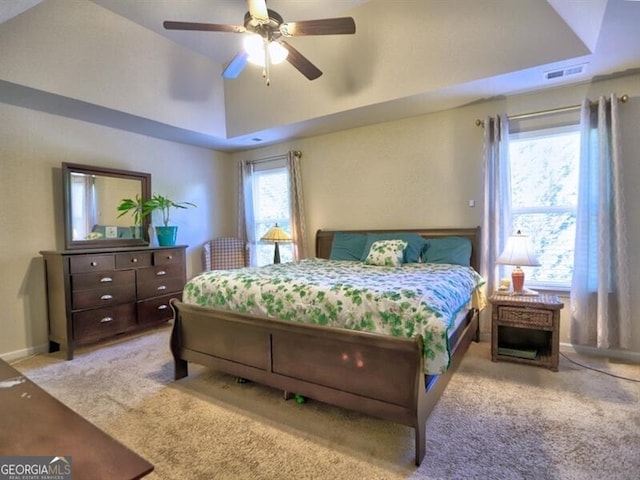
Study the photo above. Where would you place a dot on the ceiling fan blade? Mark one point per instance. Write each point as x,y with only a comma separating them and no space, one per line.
206,27
236,65
258,9
300,62
326,26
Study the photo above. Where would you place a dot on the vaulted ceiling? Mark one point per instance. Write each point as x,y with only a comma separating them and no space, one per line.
112,62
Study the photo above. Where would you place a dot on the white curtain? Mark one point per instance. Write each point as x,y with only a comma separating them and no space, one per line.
296,203
600,299
246,221
496,225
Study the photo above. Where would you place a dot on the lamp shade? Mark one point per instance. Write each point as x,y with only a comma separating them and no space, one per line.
276,234
518,252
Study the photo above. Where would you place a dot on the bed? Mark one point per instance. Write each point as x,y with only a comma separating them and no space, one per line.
389,376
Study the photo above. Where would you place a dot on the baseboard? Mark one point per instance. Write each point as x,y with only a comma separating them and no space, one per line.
625,355
17,355
485,336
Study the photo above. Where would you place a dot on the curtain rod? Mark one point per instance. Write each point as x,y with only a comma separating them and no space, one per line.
480,123
296,153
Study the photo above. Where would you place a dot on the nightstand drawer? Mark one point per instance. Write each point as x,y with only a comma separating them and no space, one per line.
525,317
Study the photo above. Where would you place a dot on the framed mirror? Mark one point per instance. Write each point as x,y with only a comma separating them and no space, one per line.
91,198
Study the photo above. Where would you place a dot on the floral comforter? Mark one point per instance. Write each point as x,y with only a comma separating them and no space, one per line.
415,298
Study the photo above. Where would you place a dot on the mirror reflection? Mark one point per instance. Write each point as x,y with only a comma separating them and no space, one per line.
94,203
91,197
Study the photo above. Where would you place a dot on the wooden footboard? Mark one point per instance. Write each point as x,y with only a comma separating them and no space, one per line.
374,374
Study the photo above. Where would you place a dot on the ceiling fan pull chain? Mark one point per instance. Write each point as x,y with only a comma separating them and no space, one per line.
267,62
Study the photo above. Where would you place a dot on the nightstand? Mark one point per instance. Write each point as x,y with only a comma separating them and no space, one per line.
526,329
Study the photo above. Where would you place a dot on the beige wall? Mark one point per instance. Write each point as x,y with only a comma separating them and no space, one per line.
422,171
32,147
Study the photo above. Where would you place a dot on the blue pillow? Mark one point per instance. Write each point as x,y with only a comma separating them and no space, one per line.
411,254
347,246
455,250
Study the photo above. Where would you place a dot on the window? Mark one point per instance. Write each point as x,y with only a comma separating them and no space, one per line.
271,206
544,194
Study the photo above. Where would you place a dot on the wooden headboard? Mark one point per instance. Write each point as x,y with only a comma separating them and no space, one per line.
324,239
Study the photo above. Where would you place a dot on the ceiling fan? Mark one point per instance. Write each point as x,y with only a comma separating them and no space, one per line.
264,45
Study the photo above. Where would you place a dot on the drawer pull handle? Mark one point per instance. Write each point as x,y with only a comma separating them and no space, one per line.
134,260
160,273
163,307
106,280
162,287
94,264
106,297
169,257
106,319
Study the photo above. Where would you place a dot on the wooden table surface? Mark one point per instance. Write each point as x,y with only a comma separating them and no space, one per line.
33,423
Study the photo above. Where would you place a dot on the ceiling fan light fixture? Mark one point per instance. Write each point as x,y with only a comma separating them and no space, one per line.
277,53
254,46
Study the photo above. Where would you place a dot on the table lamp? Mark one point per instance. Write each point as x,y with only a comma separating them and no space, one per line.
519,253
276,235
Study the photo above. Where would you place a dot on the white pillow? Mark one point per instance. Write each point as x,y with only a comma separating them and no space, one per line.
386,253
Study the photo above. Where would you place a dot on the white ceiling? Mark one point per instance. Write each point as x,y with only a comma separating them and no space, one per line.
408,57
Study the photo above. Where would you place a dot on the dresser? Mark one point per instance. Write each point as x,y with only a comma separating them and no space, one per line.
96,294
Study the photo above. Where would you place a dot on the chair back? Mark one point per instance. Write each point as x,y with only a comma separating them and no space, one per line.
224,253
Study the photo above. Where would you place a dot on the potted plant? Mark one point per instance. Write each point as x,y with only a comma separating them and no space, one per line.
137,208
166,233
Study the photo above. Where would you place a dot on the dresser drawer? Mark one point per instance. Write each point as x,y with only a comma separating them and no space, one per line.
88,281
91,263
133,260
103,322
159,286
102,297
525,317
156,310
166,257
145,275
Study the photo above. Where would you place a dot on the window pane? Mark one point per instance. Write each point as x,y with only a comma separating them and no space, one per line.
544,194
553,238
544,170
272,200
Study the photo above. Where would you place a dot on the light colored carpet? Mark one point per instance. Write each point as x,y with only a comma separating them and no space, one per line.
495,420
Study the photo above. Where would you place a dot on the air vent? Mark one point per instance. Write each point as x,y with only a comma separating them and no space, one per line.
565,72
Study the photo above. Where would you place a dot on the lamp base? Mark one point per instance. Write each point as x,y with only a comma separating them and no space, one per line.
517,280
276,254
